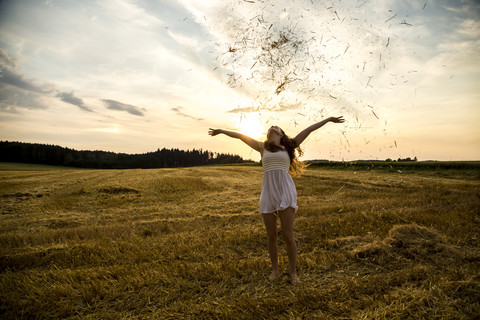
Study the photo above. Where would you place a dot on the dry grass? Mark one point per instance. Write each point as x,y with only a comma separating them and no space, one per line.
189,243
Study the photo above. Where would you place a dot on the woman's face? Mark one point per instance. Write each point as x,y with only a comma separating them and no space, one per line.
274,130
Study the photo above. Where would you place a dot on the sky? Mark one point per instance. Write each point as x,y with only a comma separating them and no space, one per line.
135,76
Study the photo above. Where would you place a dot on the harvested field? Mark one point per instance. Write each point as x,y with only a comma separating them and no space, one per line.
189,243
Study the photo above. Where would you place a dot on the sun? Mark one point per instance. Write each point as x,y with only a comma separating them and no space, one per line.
251,125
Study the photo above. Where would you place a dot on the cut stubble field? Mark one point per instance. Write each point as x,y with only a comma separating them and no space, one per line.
190,243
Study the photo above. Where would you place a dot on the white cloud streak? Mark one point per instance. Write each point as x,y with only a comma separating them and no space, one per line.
181,112
115,105
69,97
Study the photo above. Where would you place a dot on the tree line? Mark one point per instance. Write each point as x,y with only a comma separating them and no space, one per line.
59,156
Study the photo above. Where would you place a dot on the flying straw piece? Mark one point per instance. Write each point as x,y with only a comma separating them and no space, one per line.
362,4
368,83
388,42
391,18
375,115
280,88
258,15
337,14
343,132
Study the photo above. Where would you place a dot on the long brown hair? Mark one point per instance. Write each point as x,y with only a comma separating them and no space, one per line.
296,166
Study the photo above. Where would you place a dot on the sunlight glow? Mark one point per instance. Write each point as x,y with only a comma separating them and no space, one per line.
251,125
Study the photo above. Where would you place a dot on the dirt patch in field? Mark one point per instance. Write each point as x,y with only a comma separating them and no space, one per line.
118,190
22,195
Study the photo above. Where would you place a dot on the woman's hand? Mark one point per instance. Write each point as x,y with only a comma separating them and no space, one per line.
337,119
214,132
304,134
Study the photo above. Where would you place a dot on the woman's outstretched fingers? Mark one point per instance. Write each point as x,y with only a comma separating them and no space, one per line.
338,119
213,132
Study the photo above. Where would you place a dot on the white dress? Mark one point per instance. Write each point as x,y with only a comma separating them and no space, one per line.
278,188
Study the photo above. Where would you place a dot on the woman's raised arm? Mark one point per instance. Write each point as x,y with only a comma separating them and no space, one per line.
254,144
304,134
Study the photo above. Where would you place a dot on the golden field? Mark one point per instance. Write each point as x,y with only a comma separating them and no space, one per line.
189,244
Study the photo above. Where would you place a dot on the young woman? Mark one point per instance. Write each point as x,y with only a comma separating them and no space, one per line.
279,195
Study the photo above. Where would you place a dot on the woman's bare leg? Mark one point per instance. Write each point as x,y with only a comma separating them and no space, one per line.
270,220
287,218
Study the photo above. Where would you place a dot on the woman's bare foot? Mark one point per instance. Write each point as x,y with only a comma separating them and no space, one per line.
273,275
294,279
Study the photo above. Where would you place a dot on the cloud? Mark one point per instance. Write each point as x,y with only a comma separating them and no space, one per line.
287,107
179,110
115,105
276,108
469,28
12,98
17,91
29,95
243,110
6,59
70,98
12,78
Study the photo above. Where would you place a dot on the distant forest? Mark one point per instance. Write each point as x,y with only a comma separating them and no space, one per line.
60,156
